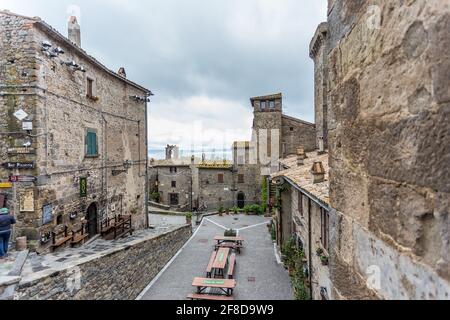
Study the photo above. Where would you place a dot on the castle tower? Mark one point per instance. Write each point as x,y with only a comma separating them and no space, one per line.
267,126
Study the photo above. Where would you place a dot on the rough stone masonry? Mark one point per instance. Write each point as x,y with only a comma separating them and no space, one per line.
389,140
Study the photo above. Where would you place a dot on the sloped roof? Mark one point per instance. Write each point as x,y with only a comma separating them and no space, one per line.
38,22
301,175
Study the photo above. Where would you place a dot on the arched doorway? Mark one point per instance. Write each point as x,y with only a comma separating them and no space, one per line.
241,200
92,220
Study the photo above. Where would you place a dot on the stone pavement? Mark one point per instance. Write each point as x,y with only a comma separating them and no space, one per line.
259,276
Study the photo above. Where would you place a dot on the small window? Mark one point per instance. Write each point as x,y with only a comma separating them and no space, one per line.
90,88
325,228
241,178
59,220
91,143
272,104
300,204
173,169
263,105
174,184
291,128
220,178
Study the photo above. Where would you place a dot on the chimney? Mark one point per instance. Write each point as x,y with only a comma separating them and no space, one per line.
122,72
74,31
318,172
301,156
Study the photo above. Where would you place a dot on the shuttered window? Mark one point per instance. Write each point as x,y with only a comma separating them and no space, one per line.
220,178
91,144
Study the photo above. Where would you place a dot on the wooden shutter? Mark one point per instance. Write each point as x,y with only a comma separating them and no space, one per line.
2,200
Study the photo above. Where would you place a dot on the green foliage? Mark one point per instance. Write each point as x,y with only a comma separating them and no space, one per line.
264,194
230,233
273,232
155,196
235,210
189,215
221,209
247,209
295,260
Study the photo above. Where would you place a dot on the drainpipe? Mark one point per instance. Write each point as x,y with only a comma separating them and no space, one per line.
147,222
310,250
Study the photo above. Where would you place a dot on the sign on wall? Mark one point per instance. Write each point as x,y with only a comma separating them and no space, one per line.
26,200
47,214
22,179
83,187
6,185
27,125
18,165
21,150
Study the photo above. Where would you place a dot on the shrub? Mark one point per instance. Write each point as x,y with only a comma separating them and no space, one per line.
221,210
247,209
189,215
155,196
230,233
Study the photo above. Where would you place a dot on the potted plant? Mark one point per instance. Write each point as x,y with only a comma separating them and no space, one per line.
221,212
319,252
189,218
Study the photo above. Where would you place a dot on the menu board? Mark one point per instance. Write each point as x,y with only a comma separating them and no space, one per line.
47,214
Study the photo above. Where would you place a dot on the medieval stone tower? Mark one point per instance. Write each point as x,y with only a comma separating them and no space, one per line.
267,125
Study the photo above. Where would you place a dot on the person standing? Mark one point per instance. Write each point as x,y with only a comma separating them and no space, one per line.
6,221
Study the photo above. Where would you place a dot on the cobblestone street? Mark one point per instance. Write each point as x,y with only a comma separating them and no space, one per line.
259,276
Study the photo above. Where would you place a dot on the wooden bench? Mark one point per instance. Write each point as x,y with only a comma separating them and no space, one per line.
210,297
79,236
210,265
107,225
60,238
236,247
232,266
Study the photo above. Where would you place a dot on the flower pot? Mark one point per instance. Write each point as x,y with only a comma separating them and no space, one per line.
188,221
21,244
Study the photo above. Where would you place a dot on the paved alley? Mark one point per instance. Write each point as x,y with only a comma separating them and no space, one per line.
259,276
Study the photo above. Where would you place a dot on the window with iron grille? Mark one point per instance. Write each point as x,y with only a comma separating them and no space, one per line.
174,184
241,178
220,178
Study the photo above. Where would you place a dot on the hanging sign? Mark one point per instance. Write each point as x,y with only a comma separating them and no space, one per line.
19,165
22,179
83,187
26,200
47,214
21,150
6,185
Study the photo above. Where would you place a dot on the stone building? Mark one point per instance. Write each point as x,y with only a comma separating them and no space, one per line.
73,134
382,109
276,135
302,214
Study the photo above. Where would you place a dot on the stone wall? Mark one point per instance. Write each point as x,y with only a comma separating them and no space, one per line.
389,137
121,274
296,134
212,193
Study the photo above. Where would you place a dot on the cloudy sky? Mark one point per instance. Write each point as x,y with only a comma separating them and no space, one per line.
203,59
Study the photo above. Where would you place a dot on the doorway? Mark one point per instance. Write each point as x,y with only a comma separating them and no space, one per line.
92,220
241,200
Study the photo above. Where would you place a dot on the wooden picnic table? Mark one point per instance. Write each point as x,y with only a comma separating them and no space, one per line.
221,262
221,239
225,285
